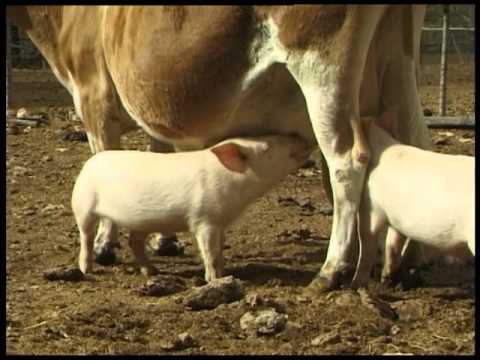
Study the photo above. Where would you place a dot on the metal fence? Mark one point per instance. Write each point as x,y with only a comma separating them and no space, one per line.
450,29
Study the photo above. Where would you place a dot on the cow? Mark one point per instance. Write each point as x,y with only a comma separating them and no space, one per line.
192,76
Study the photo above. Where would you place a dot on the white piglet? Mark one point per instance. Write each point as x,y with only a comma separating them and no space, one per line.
423,195
199,191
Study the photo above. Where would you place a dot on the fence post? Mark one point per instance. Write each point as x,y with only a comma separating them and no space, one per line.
443,62
8,63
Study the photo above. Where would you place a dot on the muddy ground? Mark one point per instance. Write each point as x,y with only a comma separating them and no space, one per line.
275,249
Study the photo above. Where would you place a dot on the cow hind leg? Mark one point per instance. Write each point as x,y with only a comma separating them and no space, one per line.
346,152
136,241
370,224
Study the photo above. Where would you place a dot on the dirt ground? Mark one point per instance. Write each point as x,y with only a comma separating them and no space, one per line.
275,249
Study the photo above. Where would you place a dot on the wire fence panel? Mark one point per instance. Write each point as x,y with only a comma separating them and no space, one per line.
447,84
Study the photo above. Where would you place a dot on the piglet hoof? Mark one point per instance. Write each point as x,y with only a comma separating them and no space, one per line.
411,279
105,258
169,246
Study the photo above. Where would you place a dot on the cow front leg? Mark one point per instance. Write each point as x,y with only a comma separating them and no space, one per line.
329,73
334,113
342,142
163,244
347,178
327,208
369,226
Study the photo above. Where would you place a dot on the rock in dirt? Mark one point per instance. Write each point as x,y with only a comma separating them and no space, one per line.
297,235
395,329
216,292
256,302
75,136
326,339
446,133
306,206
23,113
21,171
50,208
29,211
161,286
382,308
69,274
441,140
183,341
286,201
344,298
413,309
26,114
266,322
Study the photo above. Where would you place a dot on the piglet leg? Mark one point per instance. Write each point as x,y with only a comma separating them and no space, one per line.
210,241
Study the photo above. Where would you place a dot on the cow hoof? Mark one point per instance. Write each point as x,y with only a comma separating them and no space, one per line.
333,281
169,246
105,258
389,281
322,284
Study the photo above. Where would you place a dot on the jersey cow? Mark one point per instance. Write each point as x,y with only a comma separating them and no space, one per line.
191,76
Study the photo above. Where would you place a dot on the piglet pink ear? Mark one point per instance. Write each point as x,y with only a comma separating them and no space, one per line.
231,157
388,122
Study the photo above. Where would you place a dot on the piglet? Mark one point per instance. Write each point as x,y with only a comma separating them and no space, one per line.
199,191
419,194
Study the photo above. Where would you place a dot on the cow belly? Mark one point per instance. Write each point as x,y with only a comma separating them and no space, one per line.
271,104
192,91
274,104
